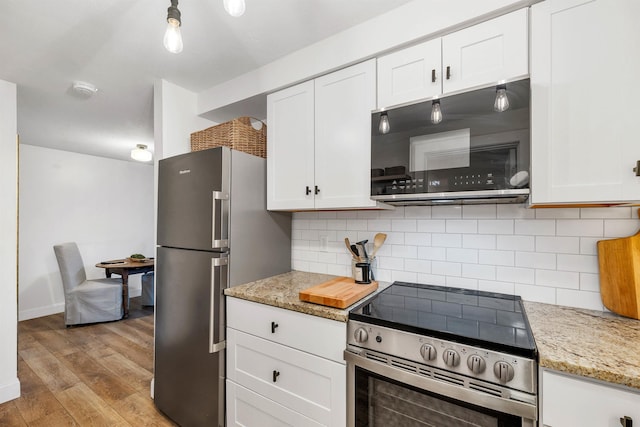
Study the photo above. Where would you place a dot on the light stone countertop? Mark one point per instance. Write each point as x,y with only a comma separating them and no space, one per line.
283,291
588,343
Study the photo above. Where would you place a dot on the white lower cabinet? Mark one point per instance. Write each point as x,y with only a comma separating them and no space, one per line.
572,401
277,374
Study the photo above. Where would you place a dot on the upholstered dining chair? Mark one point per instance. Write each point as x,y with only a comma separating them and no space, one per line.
86,301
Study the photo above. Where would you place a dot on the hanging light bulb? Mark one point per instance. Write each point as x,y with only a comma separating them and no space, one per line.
384,127
502,101
172,37
234,8
141,154
436,113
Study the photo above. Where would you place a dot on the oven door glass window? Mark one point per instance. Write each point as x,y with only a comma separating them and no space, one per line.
383,402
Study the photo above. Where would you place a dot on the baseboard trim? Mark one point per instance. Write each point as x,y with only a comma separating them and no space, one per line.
10,390
34,313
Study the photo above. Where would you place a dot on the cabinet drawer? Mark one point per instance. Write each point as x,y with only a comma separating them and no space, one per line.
310,385
246,408
316,335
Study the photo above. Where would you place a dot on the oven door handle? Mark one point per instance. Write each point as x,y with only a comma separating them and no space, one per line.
500,404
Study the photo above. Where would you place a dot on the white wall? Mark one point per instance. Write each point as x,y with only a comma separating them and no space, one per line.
9,384
543,255
104,205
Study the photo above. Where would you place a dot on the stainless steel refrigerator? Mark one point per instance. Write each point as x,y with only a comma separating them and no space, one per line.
213,232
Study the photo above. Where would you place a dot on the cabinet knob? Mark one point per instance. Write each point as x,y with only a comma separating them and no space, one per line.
276,374
626,421
637,168
274,325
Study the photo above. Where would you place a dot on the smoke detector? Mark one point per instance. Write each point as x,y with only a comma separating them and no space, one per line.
84,89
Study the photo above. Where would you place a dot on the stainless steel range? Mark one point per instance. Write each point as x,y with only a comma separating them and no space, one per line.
422,355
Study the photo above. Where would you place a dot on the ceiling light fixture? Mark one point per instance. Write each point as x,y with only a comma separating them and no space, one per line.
234,8
436,113
384,126
141,154
84,89
172,37
502,101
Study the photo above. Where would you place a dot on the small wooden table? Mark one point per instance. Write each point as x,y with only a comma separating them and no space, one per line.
125,267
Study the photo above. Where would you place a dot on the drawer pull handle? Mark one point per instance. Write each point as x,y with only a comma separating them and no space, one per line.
274,325
317,190
276,374
626,421
433,75
308,191
448,72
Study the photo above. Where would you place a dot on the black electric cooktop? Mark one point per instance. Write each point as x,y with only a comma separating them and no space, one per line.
485,319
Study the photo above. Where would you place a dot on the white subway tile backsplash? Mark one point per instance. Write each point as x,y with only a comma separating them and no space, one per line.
431,253
479,211
580,299
495,226
462,255
446,212
516,243
515,211
432,226
535,227
536,260
580,227
565,245
446,240
491,257
558,279
404,225
621,227
478,271
461,226
578,263
479,241
544,255
418,239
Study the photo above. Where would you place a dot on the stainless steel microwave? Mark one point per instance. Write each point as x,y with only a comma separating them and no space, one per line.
471,147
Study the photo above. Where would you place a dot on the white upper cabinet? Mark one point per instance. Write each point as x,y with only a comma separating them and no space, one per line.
486,53
410,74
290,145
319,142
584,101
483,54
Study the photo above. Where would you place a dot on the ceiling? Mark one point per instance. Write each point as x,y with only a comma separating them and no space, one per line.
116,45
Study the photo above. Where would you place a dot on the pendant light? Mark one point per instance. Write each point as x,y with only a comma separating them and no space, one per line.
436,113
234,8
502,101
172,37
383,126
141,154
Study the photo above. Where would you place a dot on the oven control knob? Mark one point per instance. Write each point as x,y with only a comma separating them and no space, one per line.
361,335
428,352
503,371
451,357
476,364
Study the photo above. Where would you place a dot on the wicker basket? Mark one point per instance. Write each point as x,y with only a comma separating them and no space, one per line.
237,134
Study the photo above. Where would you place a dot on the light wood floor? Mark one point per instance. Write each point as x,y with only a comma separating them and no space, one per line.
93,375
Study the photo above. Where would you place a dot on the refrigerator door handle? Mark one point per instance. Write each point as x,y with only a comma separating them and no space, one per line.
219,196
214,309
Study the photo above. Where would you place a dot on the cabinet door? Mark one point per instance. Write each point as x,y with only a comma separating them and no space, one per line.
344,101
584,101
486,53
290,139
246,408
570,401
410,74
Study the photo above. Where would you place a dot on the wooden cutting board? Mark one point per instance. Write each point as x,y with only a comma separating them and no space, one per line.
338,293
619,261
